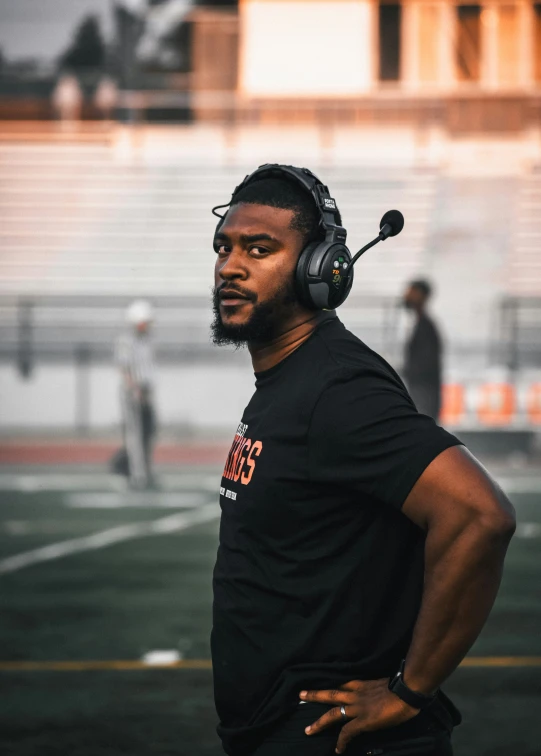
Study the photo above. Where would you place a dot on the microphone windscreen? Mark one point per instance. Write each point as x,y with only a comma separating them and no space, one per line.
395,219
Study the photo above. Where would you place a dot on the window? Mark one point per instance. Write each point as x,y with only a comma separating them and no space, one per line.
468,43
389,41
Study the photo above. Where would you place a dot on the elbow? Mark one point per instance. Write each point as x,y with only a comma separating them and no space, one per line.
500,521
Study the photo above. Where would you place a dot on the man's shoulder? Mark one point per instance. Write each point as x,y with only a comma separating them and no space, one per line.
348,356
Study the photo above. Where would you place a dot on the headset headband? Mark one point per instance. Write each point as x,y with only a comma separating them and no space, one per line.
324,272
328,211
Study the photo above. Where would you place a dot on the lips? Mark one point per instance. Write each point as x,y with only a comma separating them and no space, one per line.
231,297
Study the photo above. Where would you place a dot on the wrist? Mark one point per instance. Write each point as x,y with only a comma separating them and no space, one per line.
416,697
403,707
418,684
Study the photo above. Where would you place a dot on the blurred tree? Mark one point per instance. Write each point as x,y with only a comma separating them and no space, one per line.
154,36
87,49
129,28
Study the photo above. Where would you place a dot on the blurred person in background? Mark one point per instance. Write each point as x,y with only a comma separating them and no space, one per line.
423,352
361,546
106,97
67,100
135,358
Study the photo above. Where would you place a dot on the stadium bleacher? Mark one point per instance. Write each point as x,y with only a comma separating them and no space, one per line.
84,229
76,220
524,262
89,224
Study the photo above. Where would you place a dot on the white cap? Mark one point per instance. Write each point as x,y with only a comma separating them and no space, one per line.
139,311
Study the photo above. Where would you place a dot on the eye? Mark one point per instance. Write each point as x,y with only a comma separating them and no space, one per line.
258,251
222,249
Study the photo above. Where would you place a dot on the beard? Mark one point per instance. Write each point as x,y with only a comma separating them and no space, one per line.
263,325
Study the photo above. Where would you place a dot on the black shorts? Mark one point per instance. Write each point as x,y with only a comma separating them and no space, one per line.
420,736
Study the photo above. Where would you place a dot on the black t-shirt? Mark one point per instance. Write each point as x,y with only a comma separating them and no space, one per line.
319,575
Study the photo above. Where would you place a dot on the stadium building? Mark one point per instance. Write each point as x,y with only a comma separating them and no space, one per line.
468,68
430,107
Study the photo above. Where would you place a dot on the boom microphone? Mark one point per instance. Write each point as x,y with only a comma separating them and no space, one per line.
391,224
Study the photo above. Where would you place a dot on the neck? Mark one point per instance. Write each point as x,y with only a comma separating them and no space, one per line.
267,355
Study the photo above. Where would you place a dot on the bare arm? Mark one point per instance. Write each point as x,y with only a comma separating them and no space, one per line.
469,523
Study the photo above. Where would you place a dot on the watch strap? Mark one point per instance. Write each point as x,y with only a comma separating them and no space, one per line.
400,689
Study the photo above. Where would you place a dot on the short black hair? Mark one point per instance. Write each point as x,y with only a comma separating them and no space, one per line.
422,285
286,195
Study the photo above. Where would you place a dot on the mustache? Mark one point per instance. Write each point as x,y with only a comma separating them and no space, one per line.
231,287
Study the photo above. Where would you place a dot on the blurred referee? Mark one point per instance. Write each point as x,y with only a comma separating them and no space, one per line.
135,359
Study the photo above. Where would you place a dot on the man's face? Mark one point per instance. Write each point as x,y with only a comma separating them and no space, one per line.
257,252
414,298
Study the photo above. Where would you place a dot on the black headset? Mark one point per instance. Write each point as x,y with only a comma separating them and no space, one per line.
324,274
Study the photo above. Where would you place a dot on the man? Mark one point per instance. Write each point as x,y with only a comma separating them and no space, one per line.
136,361
422,359
355,532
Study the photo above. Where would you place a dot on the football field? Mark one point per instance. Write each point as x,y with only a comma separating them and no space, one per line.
106,615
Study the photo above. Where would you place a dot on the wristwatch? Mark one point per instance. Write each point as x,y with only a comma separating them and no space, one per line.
400,689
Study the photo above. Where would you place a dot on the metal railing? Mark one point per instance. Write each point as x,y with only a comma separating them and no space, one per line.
63,328
57,327
518,344
81,332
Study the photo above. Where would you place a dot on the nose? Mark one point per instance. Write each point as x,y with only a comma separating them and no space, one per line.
233,267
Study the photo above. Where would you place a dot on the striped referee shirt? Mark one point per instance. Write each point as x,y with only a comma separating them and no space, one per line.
134,354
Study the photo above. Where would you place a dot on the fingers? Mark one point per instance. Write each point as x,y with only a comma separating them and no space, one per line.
328,719
327,696
352,685
364,685
347,733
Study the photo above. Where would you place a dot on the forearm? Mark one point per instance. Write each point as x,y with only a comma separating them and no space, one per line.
462,575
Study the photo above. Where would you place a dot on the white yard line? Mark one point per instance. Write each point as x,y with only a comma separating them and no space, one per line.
31,483
520,484
528,530
75,482
138,499
170,524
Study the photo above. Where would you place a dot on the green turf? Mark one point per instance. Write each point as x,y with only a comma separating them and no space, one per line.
155,593
171,712
108,713
500,709
113,603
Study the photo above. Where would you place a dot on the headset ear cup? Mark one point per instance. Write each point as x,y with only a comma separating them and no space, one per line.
343,254
302,287
347,289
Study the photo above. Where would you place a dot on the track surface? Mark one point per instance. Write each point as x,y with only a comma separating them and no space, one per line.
77,624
